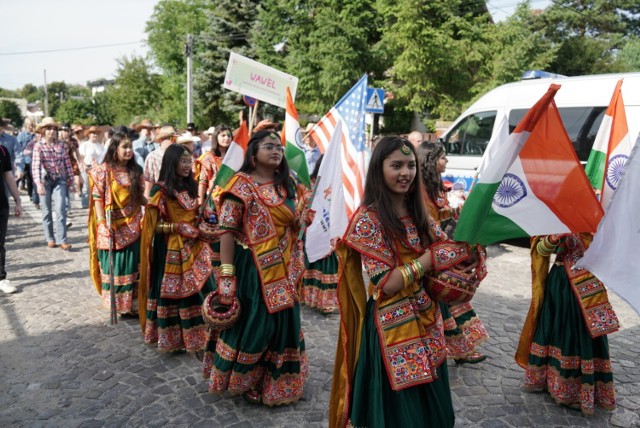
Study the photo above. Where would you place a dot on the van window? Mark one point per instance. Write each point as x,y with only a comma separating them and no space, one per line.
581,123
471,135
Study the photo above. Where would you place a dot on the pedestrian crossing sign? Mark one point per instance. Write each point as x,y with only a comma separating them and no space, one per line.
375,100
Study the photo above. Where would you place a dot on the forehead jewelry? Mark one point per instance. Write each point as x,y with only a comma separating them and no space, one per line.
405,150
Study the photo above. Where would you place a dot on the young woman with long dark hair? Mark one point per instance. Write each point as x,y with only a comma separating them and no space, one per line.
116,187
175,265
262,356
390,367
464,330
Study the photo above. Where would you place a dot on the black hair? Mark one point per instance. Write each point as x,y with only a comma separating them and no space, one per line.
172,182
281,175
111,158
219,130
429,154
377,194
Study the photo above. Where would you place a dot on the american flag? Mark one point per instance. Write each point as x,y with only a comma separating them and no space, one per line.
350,111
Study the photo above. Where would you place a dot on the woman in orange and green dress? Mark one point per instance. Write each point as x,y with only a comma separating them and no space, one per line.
116,188
175,266
464,330
563,345
390,367
262,356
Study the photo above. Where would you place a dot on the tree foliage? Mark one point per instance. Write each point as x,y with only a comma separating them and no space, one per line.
11,110
229,26
136,92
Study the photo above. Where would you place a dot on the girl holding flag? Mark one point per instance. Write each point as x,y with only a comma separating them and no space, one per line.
262,356
464,330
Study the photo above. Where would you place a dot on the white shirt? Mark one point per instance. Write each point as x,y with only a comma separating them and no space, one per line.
92,152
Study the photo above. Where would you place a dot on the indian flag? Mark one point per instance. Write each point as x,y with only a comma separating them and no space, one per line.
532,185
292,139
611,147
234,157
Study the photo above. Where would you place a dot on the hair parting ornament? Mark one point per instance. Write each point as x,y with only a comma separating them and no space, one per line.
405,148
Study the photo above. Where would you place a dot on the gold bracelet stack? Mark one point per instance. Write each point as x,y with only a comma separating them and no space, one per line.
227,269
165,227
411,271
546,246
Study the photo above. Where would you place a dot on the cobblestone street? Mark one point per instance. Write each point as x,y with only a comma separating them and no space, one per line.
63,365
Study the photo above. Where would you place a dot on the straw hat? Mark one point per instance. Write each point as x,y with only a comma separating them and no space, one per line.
310,125
92,129
165,133
146,123
210,131
77,128
47,121
185,138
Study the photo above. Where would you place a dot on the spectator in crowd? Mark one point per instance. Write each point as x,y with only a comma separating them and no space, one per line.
144,144
72,145
10,143
6,177
311,150
52,173
197,144
415,138
208,144
166,137
26,138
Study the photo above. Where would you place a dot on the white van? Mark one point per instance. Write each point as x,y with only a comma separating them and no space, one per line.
581,102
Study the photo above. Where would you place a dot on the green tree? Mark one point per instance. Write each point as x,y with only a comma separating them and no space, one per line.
136,92
435,50
628,59
587,34
76,111
517,45
326,44
9,93
228,27
167,35
31,92
11,110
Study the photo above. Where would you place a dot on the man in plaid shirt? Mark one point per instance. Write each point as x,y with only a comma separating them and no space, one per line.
52,174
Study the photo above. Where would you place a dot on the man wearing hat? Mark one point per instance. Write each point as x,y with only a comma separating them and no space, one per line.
144,144
311,150
52,174
208,143
165,137
192,130
90,152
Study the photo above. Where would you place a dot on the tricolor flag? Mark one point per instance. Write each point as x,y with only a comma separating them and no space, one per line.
611,148
350,112
533,184
331,220
234,157
292,139
612,256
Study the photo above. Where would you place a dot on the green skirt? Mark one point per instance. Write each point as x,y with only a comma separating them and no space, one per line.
126,262
564,359
320,284
174,324
463,329
262,354
375,404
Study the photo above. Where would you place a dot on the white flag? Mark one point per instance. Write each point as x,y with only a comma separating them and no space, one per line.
613,254
331,218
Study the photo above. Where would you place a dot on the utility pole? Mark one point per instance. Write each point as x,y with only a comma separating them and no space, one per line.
188,51
46,96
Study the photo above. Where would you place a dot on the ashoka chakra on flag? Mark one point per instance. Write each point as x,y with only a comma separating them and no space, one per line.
510,191
614,170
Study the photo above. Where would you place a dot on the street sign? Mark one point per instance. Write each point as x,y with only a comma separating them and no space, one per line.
249,101
375,100
259,81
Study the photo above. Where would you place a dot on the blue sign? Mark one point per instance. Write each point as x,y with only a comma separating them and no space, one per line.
249,101
375,100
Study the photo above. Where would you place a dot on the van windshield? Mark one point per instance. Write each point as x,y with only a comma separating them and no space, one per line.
581,123
471,136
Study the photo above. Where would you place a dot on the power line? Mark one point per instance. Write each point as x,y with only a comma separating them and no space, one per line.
73,49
